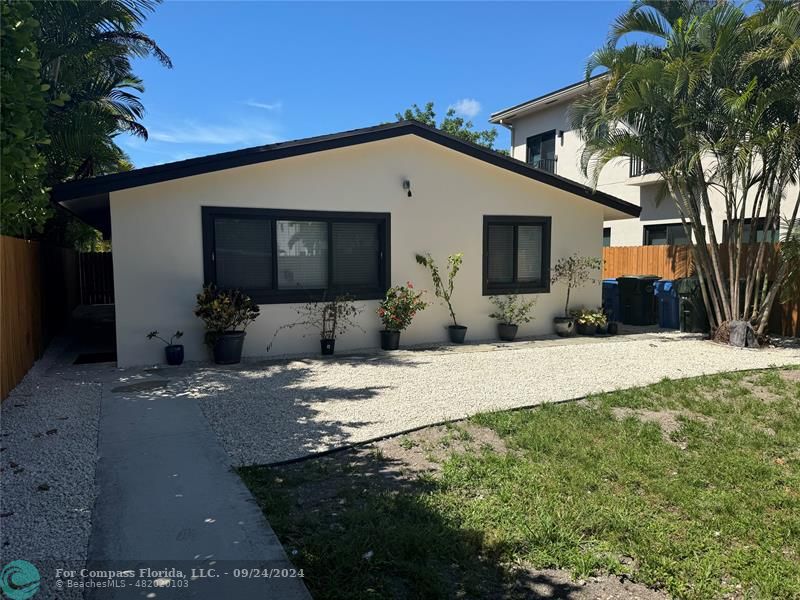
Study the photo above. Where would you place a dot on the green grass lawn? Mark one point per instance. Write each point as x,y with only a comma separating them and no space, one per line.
691,487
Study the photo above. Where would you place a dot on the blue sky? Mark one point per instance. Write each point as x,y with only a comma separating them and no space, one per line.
250,73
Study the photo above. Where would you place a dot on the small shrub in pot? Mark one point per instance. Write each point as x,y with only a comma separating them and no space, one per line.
590,321
573,271
396,311
331,318
226,315
444,291
172,352
511,311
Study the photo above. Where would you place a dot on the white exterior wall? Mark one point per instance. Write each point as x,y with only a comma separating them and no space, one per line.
614,178
158,248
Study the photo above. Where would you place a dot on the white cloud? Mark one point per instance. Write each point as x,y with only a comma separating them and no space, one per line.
265,105
188,132
467,107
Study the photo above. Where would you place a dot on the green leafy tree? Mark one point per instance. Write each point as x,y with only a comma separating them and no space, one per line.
24,205
709,98
451,123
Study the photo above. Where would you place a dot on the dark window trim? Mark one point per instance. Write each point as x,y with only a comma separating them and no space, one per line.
548,165
608,229
646,228
517,288
276,296
760,222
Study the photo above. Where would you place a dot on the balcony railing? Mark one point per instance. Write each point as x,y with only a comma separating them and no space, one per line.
639,167
545,164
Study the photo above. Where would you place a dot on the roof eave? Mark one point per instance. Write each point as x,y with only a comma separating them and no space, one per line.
97,187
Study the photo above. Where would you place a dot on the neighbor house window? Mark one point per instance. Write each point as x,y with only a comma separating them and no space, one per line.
769,234
606,237
295,256
669,234
541,151
516,255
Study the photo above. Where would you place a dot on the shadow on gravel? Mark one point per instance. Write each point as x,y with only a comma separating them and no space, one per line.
265,413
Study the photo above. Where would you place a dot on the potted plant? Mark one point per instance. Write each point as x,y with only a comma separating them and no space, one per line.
511,311
588,321
226,314
331,318
444,291
172,351
573,271
396,312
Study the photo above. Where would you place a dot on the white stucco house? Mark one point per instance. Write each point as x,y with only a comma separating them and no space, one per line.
341,213
542,135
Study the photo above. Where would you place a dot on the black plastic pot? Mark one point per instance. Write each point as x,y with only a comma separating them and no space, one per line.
457,333
390,340
586,328
602,329
613,328
228,347
327,347
506,332
565,326
174,354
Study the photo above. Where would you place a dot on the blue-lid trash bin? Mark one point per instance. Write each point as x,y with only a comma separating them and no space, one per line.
668,305
611,299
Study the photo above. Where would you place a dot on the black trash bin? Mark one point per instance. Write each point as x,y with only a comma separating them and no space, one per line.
692,310
637,301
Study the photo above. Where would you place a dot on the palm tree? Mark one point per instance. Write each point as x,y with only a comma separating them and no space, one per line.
86,50
711,101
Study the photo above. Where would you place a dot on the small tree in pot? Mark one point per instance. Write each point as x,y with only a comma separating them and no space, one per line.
172,351
445,291
331,318
511,311
573,271
226,314
396,311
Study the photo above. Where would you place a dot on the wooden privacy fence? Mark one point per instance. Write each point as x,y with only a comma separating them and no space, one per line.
668,262
38,291
673,262
22,341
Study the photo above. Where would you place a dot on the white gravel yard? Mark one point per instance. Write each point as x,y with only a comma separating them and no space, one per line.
272,412
49,449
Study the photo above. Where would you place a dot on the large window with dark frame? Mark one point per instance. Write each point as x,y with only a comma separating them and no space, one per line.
666,234
278,256
541,151
516,255
763,233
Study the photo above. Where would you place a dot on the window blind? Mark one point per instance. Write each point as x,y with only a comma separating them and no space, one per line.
500,244
243,253
356,255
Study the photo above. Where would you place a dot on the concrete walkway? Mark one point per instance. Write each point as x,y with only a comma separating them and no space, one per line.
167,498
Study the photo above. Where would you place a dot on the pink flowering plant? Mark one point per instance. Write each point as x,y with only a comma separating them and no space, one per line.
397,310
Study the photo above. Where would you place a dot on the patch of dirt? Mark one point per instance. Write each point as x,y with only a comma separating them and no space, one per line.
555,583
425,450
393,465
667,420
760,392
791,375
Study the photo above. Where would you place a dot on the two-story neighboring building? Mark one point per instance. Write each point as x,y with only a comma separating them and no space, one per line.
541,135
